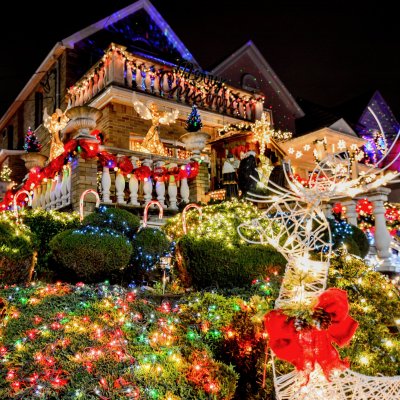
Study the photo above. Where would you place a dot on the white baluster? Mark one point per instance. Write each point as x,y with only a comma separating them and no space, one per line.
147,81
58,190
43,194
106,185
147,184
160,186
185,190
35,197
69,184
133,184
139,78
53,194
47,195
120,187
64,184
172,190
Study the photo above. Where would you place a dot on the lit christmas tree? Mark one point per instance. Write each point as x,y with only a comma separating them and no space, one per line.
193,122
32,144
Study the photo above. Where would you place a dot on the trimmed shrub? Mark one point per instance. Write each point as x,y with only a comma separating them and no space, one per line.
148,246
45,225
94,254
17,253
117,219
204,263
361,240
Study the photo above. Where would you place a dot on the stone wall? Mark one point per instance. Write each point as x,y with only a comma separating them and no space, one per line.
84,176
200,185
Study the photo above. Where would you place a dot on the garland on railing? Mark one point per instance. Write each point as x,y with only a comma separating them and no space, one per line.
87,150
171,83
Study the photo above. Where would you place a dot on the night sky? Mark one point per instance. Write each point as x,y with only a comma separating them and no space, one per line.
324,51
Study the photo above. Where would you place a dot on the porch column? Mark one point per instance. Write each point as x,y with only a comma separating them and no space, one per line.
200,185
83,176
351,213
382,236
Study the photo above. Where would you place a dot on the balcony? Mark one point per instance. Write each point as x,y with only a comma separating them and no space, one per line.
121,69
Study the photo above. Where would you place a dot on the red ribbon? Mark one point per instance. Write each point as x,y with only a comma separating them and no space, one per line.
311,345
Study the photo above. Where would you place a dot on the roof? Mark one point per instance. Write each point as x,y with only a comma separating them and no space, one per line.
250,49
70,41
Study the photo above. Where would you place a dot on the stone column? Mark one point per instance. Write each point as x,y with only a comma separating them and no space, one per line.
83,176
200,185
351,213
382,236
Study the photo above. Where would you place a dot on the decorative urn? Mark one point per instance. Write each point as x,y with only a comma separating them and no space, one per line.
83,120
33,160
195,141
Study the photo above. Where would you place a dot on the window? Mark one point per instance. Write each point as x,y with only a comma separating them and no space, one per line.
250,83
38,109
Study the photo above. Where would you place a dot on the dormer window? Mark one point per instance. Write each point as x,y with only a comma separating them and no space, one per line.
250,83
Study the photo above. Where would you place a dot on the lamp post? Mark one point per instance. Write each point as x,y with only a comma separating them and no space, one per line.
165,263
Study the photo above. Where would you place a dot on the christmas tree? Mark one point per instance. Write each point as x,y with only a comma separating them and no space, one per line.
32,144
193,122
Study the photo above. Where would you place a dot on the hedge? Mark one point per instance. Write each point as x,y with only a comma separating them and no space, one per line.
204,263
17,253
94,254
117,219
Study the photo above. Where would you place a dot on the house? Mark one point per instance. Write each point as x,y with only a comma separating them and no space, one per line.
132,56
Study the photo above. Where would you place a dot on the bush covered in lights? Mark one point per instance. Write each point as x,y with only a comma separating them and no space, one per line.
219,222
45,225
92,253
17,252
89,342
148,246
117,219
80,342
352,237
204,263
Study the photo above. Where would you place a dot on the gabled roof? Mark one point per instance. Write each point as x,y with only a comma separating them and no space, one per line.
125,12
255,55
59,48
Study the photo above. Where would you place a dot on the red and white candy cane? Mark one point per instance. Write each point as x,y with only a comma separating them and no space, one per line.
15,206
146,211
192,205
88,191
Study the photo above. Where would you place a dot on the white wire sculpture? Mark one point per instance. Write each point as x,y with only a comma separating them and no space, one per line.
295,225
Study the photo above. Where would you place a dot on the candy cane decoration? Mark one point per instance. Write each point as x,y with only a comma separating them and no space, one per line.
83,197
146,211
16,198
192,205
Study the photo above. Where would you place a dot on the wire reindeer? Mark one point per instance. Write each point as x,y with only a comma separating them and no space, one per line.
296,225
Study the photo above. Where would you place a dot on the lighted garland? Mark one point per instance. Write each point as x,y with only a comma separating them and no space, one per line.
88,150
5,174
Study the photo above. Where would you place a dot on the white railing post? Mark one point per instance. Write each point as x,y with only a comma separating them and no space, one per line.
35,197
69,184
64,185
106,184
160,185
53,193
134,184
120,187
47,194
58,202
185,190
147,184
42,200
172,189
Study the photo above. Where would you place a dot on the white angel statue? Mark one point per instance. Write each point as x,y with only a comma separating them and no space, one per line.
152,142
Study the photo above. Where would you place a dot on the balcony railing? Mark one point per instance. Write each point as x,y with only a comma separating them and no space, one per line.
115,188
124,69
53,194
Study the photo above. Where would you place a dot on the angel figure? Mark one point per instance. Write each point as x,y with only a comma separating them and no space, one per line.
152,142
54,123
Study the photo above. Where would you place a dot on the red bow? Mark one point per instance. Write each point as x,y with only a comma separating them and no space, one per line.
311,345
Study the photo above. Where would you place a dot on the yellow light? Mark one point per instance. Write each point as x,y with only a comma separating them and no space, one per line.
364,360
